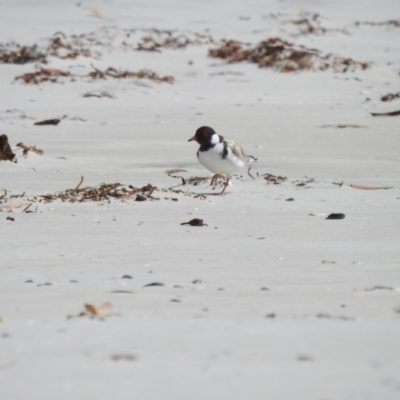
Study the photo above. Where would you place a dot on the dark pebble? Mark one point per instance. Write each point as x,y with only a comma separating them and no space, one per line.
272,315
264,288
29,281
175,301
154,284
290,199
126,277
335,216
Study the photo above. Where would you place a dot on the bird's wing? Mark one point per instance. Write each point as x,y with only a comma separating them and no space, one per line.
236,150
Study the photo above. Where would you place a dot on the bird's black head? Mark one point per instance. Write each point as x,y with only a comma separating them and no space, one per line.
203,135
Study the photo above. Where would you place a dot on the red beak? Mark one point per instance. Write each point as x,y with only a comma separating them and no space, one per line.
193,138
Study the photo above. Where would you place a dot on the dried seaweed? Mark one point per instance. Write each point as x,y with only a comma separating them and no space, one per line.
92,44
167,39
283,56
276,180
66,48
142,74
389,23
390,96
13,53
42,75
26,149
52,75
105,192
310,24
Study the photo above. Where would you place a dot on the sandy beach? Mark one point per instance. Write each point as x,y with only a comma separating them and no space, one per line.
105,294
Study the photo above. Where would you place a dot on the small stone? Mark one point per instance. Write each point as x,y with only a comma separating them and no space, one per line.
126,277
154,284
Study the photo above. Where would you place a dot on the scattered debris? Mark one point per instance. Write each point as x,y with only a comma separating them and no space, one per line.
99,95
95,13
329,215
392,23
52,75
9,207
390,96
284,56
336,216
343,126
248,172
290,199
140,197
93,312
195,180
310,24
6,153
123,357
100,193
157,39
304,182
365,187
376,287
196,281
42,75
10,218
13,53
194,222
54,121
126,277
174,171
341,317
390,114
103,192
276,180
305,357
271,315
142,74
340,184
328,262
26,149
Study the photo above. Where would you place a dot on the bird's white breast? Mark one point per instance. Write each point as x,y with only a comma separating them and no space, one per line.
213,161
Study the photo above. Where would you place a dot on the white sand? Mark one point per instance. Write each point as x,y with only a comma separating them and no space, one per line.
329,337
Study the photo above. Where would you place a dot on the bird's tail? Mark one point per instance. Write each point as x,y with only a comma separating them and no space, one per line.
251,159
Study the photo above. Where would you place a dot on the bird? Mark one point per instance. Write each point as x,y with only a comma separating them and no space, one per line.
220,155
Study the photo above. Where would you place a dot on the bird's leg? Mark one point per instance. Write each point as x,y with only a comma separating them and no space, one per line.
214,179
226,184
